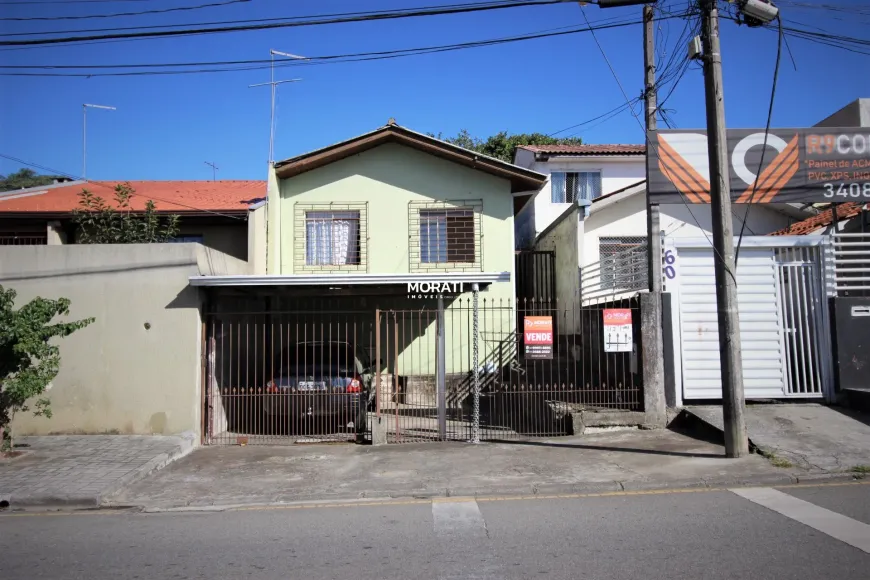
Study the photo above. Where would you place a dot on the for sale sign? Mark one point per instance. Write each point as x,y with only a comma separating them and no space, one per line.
617,330
538,336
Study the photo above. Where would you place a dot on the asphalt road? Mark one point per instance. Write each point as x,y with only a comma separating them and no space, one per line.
707,535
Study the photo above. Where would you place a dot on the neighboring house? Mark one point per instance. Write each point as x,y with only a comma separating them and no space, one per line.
214,213
609,244
851,218
575,172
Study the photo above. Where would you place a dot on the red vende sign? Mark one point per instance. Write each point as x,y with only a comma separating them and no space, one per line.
538,336
617,316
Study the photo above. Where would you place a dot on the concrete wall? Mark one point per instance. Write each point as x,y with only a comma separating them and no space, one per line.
137,368
257,233
565,237
616,174
388,179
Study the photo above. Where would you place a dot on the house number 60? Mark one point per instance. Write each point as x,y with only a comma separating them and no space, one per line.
670,272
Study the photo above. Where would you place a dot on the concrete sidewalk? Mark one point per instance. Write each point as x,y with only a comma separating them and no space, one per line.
66,471
814,438
611,461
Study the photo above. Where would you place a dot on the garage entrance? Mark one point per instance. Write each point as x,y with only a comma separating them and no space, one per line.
783,318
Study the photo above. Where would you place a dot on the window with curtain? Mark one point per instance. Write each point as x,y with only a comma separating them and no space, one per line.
332,238
568,187
447,236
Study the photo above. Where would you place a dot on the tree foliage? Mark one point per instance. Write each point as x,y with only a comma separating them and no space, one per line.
25,178
28,359
101,223
503,145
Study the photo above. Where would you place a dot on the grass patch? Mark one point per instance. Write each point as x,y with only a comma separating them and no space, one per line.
861,470
775,459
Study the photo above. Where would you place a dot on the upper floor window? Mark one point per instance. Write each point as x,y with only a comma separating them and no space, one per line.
332,238
568,187
447,236
623,262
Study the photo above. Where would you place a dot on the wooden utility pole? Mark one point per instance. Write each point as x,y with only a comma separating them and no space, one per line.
731,363
653,343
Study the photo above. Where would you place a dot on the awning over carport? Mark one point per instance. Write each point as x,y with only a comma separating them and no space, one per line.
465,280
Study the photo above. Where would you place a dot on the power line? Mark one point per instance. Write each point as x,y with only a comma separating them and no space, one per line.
118,14
459,9
764,144
75,177
241,65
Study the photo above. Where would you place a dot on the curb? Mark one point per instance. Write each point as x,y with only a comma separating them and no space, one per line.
527,492
97,500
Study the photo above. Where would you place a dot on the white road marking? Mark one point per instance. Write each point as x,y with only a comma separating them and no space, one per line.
845,529
455,518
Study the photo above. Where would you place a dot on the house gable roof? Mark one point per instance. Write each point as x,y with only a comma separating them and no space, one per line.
820,220
521,179
178,197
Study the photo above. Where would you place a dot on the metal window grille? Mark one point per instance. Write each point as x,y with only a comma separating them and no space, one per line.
23,239
445,236
568,187
623,262
330,237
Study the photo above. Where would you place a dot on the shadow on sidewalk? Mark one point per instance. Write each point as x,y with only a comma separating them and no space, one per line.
593,447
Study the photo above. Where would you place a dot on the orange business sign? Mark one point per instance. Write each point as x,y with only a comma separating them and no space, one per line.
538,336
799,165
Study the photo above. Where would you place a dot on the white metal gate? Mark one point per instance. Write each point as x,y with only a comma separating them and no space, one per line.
781,298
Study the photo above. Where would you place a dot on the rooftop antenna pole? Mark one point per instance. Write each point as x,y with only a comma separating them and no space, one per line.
85,108
272,54
214,168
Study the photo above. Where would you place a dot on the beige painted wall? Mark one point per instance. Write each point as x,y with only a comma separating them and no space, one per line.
116,374
387,179
229,239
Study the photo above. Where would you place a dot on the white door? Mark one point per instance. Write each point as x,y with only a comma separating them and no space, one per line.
760,324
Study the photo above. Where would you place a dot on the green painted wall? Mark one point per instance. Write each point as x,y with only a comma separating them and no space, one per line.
387,179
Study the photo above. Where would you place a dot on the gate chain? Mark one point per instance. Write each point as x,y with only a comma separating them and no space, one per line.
475,419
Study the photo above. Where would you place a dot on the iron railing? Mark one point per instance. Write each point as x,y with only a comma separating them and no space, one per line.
322,375
28,239
287,377
519,396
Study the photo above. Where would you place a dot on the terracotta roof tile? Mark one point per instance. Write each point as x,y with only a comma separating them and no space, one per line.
820,220
168,196
613,149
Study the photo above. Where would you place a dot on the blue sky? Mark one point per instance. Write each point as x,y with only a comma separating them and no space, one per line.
166,127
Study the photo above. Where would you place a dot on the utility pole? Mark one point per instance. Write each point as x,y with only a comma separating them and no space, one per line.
731,363
214,169
653,345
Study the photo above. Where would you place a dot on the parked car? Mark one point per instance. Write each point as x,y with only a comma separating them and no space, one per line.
324,381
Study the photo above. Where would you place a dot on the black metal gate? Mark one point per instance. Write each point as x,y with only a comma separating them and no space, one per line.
536,277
